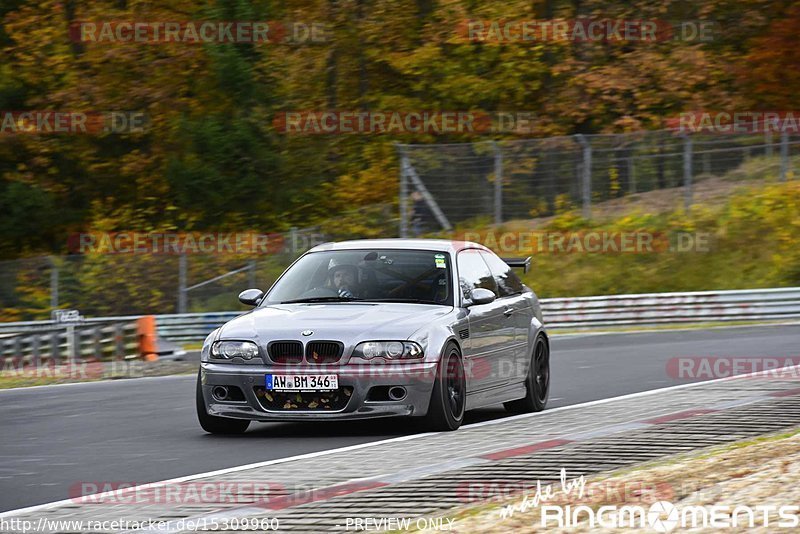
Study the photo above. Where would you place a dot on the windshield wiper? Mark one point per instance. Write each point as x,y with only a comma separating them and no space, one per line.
413,301
320,299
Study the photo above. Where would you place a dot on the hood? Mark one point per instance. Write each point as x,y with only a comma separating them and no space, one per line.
349,322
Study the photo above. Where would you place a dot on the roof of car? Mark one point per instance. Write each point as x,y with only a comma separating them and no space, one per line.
443,245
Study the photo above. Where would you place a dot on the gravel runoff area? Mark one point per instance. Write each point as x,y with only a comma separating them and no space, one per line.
761,471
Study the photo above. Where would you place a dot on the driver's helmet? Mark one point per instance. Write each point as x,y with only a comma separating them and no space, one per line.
333,269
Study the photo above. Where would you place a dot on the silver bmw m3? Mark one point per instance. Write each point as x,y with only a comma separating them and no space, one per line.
379,328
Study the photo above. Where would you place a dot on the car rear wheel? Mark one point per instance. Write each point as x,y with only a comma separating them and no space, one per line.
537,383
449,397
214,424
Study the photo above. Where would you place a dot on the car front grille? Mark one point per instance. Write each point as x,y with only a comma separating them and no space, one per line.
328,401
320,352
285,351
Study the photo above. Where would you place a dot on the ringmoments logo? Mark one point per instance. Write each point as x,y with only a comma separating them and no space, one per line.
664,516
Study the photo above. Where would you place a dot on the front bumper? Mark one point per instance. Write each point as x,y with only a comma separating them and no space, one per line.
416,378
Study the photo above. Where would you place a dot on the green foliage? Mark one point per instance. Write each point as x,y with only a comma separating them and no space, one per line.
211,155
751,243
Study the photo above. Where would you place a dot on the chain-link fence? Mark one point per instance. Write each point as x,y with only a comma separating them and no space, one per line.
113,284
104,280
447,184
440,186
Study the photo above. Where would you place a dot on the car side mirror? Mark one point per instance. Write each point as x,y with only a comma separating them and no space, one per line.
481,296
251,297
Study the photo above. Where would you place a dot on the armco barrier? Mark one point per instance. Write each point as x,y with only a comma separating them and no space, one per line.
590,312
673,308
49,342
559,313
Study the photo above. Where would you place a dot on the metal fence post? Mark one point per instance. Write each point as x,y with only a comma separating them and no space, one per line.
768,143
97,346
403,192
53,284
784,155
587,176
55,348
498,184
36,352
17,356
293,236
252,274
182,283
72,336
119,342
631,175
687,170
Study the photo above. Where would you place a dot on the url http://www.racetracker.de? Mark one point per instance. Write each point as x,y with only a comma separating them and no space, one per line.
43,524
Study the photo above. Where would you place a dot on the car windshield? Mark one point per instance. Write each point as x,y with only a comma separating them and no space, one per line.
379,275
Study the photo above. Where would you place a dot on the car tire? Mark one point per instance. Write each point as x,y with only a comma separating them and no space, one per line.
537,382
213,424
449,396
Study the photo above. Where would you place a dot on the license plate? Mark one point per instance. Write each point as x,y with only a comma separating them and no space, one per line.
302,382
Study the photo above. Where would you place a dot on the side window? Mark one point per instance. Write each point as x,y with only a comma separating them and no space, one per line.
507,281
473,273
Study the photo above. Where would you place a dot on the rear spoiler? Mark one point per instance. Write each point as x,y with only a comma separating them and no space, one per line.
524,263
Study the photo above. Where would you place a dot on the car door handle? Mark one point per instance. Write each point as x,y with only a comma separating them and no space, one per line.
508,312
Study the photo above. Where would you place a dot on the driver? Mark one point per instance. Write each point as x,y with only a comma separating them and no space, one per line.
344,279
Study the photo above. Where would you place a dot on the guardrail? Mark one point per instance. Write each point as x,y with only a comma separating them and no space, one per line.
673,308
590,312
51,343
559,313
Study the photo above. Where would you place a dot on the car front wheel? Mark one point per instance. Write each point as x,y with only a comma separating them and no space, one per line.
213,424
449,397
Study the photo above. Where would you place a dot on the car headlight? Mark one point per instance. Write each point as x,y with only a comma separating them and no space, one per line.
226,350
389,350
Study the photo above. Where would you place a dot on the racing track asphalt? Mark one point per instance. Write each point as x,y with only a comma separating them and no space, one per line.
145,430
